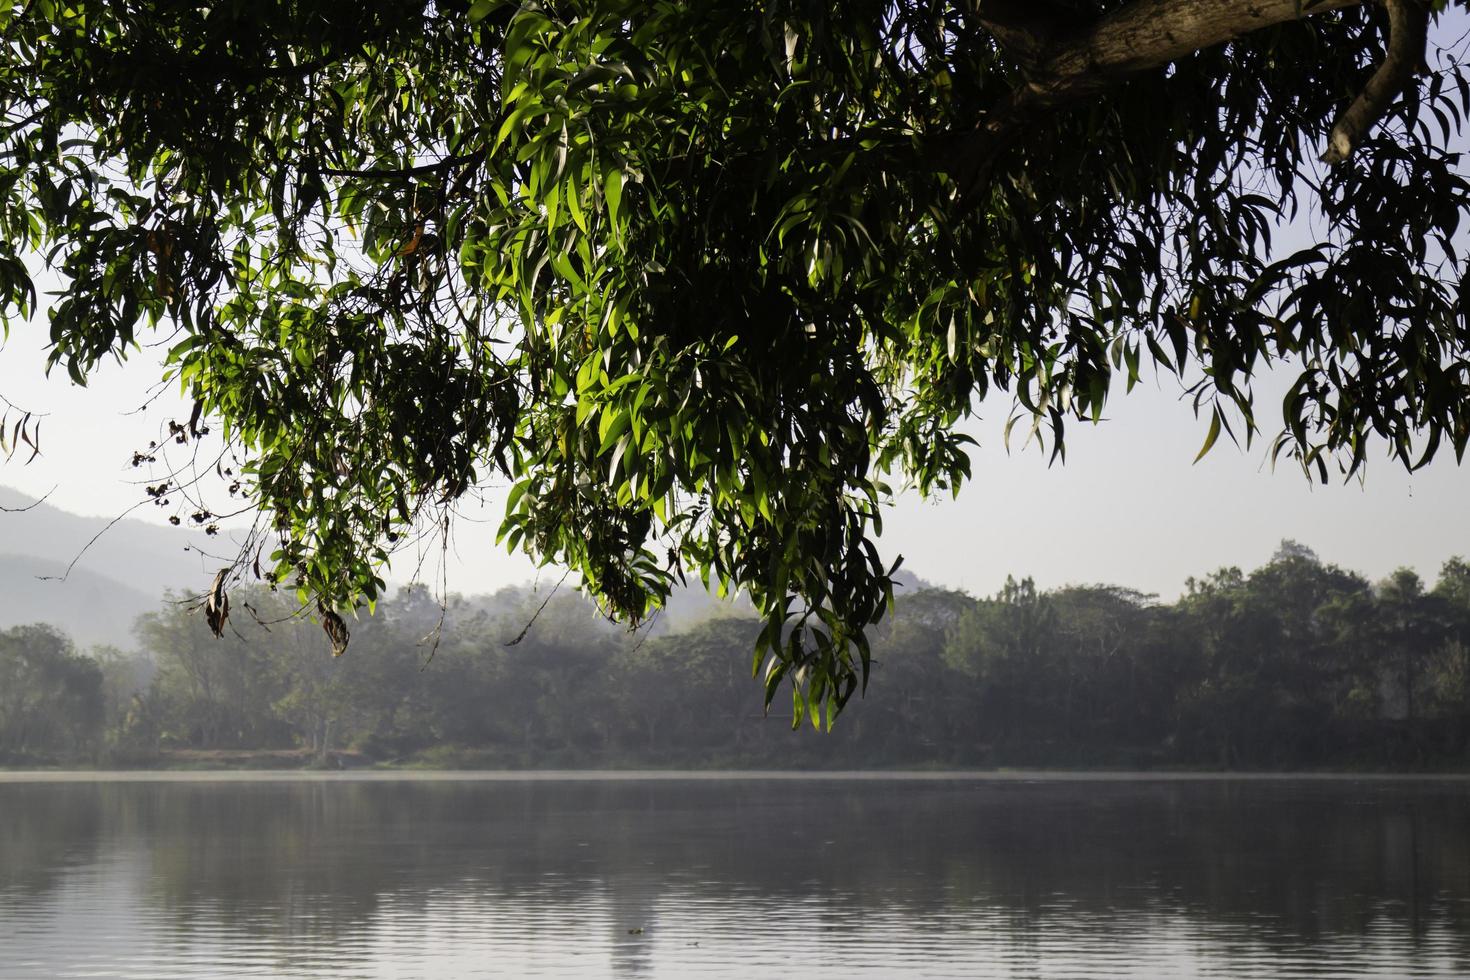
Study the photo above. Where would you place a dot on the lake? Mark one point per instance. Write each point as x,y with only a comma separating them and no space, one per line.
662,875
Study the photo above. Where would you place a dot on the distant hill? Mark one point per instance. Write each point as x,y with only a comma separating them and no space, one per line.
149,557
126,571
91,608
122,574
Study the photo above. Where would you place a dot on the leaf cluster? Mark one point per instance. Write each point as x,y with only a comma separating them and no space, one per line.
696,279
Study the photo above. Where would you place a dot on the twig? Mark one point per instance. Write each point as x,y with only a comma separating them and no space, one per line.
542,608
78,557
398,174
35,503
646,629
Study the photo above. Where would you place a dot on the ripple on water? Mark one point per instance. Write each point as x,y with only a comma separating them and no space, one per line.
713,880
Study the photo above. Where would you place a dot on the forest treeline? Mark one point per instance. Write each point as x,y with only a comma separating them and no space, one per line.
1298,663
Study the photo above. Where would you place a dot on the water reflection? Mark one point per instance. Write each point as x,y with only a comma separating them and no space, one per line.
673,878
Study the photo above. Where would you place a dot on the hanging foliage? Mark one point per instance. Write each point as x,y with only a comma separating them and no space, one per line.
697,279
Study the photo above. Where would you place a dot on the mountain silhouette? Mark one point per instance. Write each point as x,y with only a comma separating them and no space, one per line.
120,570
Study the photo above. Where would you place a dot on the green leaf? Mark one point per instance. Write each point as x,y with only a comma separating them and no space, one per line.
612,191
1210,438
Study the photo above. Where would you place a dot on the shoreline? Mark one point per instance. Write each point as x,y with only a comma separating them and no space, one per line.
19,776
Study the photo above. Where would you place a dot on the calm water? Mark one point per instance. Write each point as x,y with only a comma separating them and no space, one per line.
967,877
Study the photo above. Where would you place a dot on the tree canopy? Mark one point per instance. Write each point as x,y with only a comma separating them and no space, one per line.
695,280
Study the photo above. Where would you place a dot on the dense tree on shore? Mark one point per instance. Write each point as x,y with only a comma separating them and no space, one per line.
1298,663
51,698
696,278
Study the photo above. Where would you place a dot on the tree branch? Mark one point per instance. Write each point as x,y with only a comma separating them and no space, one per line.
1150,33
1408,27
1142,35
1023,28
401,173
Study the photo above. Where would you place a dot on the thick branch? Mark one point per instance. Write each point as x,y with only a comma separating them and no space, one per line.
1408,26
1149,33
1142,35
1023,28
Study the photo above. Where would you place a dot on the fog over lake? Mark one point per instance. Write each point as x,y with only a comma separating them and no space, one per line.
672,875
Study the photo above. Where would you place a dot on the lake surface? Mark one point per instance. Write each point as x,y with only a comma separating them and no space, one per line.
352,876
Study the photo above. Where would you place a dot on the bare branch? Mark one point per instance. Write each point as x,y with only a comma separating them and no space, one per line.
539,610
34,503
78,556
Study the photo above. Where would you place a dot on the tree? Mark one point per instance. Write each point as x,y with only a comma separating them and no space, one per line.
1279,655
1008,645
209,693
1410,633
1452,665
1106,633
697,278
51,698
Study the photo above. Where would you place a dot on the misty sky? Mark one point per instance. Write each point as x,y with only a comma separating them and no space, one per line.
1127,507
